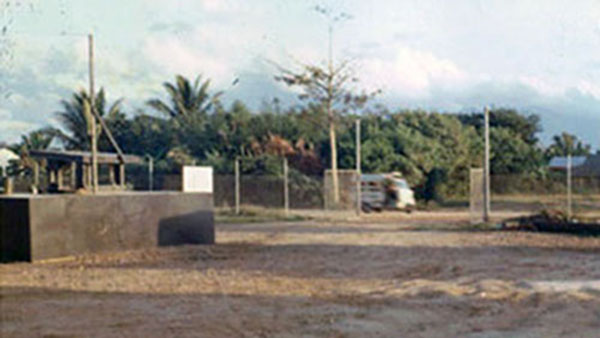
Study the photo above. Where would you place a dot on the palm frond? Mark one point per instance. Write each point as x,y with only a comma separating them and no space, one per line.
162,107
115,109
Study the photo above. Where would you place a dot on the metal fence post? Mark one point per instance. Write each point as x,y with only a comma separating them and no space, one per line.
150,173
237,186
569,187
358,170
486,173
286,191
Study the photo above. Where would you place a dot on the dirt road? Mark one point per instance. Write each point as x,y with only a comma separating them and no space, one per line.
318,280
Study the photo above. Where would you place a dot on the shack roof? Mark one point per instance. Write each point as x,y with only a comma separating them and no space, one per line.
591,167
560,162
83,156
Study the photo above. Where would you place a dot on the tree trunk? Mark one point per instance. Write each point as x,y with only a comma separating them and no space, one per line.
330,114
334,171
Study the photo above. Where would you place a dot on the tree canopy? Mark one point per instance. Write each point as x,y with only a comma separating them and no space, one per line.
434,151
76,118
567,144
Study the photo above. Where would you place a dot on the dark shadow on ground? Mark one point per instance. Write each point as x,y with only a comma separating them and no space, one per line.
192,228
575,229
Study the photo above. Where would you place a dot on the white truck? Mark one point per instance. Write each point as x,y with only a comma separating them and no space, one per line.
386,191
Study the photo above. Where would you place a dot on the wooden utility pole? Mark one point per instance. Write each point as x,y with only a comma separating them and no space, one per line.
36,174
358,170
94,143
486,172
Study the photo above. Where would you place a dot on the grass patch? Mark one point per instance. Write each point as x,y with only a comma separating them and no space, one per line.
252,214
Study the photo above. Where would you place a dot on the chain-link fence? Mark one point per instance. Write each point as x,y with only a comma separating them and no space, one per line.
527,194
510,194
346,196
268,191
258,189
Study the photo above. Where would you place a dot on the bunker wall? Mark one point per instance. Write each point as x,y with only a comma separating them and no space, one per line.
48,226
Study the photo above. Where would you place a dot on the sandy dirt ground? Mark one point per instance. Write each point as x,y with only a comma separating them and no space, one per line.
318,279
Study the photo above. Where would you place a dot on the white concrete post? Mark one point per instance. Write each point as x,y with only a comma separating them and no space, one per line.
358,169
486,173
569,187
237,186
286,188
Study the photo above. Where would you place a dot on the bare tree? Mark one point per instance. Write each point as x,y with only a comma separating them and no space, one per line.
330,88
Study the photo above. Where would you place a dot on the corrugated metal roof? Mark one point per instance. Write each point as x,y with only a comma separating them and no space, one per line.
591,167
560,162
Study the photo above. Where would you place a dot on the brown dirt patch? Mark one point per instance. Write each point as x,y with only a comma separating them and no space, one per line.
317,279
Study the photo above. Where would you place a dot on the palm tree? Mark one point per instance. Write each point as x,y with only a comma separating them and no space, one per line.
567,144
76,118
36,140
39,139
187,100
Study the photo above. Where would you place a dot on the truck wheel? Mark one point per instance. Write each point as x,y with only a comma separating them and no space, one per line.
366,208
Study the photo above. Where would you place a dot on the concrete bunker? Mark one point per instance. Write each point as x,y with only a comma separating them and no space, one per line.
70,219
38,227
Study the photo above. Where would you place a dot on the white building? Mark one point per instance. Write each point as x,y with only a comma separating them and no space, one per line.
6,156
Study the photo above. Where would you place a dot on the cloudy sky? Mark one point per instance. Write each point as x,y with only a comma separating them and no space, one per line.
539,56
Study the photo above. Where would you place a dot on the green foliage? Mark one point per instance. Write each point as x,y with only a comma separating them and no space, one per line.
514,144
186,99
434,180
510,154
76,119
433,151
36,140
567,144
417,143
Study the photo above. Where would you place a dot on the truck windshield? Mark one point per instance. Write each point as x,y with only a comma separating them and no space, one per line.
402,184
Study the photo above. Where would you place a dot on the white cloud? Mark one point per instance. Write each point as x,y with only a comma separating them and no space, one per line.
410,72
589,88
18,126
209,50
174,56
542,86
207,5
11,130
4,114
552,89
426,53
214,5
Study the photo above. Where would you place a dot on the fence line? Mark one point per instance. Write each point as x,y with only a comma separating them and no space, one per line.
291,190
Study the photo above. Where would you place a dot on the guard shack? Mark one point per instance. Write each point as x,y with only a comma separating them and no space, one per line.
69,171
